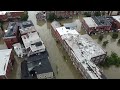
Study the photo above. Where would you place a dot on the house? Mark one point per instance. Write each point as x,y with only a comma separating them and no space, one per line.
6,63
32,43
26,27
37,66
103,24
84,53
117,21
89,25
3,16
11,34
10,15
113,23
64,14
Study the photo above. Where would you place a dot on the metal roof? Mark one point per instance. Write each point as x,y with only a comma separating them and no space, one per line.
101,21
26,26
12,29
40,63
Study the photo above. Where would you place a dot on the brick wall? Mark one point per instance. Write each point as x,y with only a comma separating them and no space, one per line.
10,41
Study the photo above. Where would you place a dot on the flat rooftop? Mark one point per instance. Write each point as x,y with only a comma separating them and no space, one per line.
63,31
117,18
24,71
55,25
33,41
4,59
11,29
26,26
83,48
90,22
101,21
40,63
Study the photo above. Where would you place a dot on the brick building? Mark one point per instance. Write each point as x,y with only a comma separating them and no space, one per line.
10,15
84,53
26,27
64,14
6,63
117,22
3,16
103,24
89,25
98,24
11,34
54,25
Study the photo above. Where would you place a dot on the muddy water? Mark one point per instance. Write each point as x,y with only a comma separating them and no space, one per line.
65,68
62,68
111,72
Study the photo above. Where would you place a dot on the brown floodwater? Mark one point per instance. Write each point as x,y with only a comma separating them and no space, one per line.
65,67
62,67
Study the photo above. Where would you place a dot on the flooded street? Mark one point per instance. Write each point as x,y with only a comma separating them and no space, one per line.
62,68
111,72
61,64
66,69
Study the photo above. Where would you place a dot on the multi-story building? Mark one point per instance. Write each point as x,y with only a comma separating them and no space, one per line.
32,43
26,27
83,51
10,15
117,22
64,14
103,24
39,66
54,25
95,24
6,63
11,34
3,16
89,25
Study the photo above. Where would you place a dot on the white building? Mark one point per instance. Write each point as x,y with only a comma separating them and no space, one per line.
83,51
5,63
117,18
33,43
19,50
90,22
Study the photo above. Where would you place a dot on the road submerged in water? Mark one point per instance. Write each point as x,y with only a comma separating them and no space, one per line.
62,68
